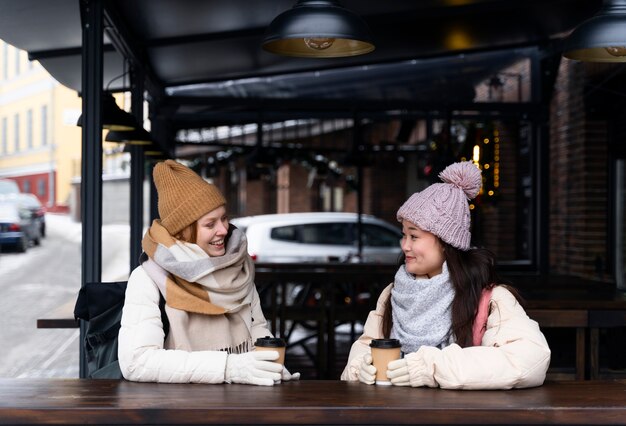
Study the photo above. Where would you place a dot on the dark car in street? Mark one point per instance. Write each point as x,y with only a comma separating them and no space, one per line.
18,227
32,203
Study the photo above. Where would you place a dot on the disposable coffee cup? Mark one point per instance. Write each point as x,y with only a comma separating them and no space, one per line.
383,352
269,343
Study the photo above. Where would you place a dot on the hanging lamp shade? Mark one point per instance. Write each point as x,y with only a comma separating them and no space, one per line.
138,136
601,38
113,117
149,150
318,29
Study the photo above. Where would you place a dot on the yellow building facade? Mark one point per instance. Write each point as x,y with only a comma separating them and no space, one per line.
39,139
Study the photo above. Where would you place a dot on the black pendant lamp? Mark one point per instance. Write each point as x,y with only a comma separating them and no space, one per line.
138,136
601,38
318,29
149,150
113,117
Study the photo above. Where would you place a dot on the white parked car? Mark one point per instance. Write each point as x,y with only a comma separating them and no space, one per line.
319,237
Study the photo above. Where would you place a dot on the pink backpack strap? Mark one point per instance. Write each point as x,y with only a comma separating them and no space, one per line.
480,322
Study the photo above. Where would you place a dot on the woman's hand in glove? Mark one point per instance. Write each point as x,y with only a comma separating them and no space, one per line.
287,376
398,372
253,368
367,372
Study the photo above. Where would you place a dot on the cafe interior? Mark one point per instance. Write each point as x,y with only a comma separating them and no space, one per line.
310,105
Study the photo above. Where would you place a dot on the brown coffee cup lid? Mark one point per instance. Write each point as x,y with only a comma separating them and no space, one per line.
270,342
385,343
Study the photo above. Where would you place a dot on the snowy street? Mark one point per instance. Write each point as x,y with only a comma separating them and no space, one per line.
40,280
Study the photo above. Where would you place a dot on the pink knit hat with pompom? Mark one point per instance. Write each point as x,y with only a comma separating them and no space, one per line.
442,208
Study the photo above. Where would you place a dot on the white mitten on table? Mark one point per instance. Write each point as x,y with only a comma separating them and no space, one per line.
367,372
287,376
398,372
253,368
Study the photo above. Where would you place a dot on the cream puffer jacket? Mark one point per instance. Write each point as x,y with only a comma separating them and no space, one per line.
141,354
513,354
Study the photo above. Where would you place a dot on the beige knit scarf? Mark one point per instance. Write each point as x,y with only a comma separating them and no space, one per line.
207,298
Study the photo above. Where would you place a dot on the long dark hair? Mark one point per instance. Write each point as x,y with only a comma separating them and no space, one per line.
470,271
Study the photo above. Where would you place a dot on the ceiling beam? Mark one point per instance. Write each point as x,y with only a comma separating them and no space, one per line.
194,121
58,53
299,104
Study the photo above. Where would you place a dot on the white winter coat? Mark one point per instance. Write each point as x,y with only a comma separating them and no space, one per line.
513,354
141,352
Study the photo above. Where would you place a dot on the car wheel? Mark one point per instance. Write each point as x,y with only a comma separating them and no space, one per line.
23,245
43,230
37,241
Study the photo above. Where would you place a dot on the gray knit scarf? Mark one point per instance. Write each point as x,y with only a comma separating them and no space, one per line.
422,310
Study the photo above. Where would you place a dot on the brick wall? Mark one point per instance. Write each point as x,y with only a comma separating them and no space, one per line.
294,195
578,177
385,185
259,197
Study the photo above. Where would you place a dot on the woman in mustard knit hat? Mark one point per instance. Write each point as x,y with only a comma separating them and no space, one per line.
200,265
456,326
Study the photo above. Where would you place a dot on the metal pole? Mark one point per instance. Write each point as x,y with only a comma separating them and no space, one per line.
91,168
136,170
540,170
619,224
356,134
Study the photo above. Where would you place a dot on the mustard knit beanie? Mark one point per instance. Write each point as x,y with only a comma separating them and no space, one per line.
183,196
442,208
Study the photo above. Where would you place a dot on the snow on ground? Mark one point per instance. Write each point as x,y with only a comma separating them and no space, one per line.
115,244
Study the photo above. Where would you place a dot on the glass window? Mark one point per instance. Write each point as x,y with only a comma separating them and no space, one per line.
26,186
377,236
17,61
29,129
327,233
41,187
44,125
5,61
502,212
16,133
284,233
316,233
5,142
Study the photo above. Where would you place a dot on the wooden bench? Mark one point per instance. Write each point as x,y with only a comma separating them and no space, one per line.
81,401
568,318
570,302
60,317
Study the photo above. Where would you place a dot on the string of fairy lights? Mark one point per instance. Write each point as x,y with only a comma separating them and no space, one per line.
486,156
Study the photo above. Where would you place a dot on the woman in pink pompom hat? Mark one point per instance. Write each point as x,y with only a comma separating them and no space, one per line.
458,328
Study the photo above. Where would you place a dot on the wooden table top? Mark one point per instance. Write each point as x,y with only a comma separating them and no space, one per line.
81,401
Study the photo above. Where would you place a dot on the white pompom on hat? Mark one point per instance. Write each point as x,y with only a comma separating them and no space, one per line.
442,208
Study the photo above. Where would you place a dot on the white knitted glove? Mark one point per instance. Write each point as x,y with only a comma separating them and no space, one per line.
367,372
398,372
253,368
287,376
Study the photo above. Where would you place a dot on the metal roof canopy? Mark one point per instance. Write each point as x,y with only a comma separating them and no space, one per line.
203,63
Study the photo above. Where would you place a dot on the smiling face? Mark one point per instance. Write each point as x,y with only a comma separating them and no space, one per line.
211,231
423,251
